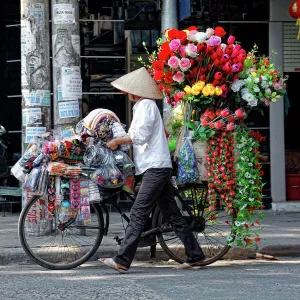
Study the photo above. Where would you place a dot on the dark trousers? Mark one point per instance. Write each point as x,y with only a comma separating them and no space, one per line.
156,186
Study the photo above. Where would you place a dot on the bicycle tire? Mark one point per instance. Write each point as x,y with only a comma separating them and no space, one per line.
158,221
47,264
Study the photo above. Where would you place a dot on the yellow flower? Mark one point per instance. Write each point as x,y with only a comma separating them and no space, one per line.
219,91
212,91
205,91
195,91
186,31
200,85
188,89
253,74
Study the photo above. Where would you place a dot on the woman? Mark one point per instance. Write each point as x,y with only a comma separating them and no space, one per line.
152,160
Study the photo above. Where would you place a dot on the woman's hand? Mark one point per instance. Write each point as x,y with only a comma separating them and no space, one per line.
112,144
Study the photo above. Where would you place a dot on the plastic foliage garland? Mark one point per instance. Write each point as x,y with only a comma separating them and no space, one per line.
235,183
248,199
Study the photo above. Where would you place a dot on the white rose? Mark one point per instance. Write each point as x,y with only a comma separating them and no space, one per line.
200,37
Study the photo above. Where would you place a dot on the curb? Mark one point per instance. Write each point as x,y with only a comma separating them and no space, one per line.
143,254
281,250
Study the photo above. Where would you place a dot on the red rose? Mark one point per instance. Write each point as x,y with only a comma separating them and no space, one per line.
227,68
242,57
158,75
218,75
181,35
229,49
214,56
164,55
210,50
225,112
217,62
238,47
235,53
219,52
172,34
201,47
168,77
257,239
202,77
192,28
230,126
216,82
158,65
219,31
240,113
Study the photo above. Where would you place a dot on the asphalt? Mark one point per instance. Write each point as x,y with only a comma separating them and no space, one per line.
280,236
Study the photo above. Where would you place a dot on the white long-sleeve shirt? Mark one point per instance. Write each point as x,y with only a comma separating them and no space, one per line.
150,146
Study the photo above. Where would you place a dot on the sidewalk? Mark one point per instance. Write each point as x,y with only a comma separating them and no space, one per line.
280,237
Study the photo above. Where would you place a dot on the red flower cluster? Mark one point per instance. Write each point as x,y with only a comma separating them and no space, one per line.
221,119
220,170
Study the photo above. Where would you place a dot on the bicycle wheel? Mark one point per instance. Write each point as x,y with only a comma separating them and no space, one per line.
56,244
213,230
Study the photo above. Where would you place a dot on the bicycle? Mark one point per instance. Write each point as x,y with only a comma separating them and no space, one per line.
65,245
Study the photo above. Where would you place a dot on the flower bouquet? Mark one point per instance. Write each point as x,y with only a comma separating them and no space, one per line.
213,84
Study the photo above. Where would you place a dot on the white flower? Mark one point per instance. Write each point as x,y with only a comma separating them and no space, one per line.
256,90
209,32
200,37
248,80
247,175
248,97
251,199
237,84
268,91
264,78
264,84
244,91
253,102
237,223
256,80
229,238
223,47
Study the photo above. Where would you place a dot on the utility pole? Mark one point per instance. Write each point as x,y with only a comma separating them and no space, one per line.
169,19
67,84
35,69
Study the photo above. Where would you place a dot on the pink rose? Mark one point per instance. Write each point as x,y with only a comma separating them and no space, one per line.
174,45
173,62
182,51
185,64
214,41
191,50
231,40
235,68
178,77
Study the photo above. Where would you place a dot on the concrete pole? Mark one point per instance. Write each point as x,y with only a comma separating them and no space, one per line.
35,69
169,19
67,85
277,145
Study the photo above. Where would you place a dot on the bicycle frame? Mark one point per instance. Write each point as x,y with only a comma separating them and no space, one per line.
127,219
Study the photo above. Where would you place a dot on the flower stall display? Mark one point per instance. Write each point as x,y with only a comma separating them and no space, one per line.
211,85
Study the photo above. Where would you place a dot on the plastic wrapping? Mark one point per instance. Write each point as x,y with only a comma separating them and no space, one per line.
25,163
122,159
32,179
97,155
118,131
108,176
187,163
56,168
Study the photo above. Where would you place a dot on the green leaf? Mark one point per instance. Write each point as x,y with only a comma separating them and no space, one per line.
190,125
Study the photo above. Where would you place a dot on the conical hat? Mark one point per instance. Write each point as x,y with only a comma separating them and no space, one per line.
139,83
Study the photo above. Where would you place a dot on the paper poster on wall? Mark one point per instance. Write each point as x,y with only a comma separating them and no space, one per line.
34,132
32,116
37,11
27,45
68,109
63,14
37,98
59,93
71,83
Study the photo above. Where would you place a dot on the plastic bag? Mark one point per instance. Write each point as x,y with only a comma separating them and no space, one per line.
108,176
119,131
25,163
187,163
43,182
122,159
97,155
32,179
